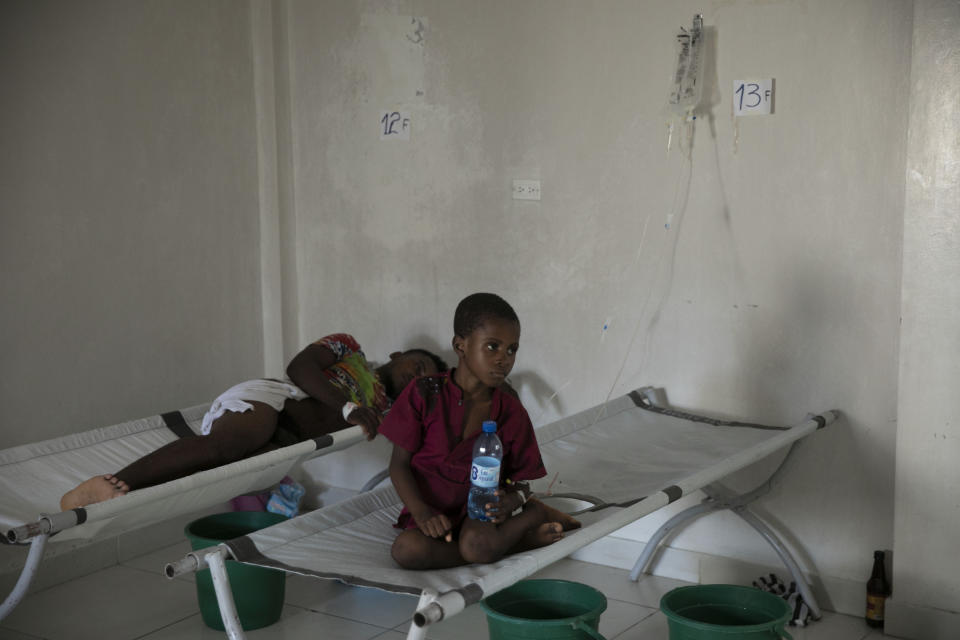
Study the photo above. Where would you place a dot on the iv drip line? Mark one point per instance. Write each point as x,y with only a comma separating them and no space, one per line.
685,95
684,98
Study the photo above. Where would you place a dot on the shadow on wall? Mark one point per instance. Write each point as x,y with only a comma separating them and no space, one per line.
798,337
836,475
535,386
712,97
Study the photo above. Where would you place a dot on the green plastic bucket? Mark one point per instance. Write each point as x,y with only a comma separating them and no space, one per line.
546,610
257,592
724,612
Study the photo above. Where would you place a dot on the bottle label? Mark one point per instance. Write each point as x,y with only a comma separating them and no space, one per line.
485,472
875,607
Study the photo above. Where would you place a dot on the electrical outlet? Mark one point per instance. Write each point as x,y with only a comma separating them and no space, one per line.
526,189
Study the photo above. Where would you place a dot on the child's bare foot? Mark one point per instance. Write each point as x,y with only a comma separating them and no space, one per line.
96,489
566,521
546,533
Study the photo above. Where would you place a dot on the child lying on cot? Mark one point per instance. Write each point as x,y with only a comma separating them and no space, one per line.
433,426
331,386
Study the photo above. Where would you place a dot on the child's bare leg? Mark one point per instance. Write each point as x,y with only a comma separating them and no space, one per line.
487,542
414,550
96,489
232,437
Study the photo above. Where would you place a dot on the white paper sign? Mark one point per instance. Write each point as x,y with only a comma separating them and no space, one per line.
752,97
395,125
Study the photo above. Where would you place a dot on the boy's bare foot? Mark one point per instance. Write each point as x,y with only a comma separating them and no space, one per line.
546,533
96,489
566,521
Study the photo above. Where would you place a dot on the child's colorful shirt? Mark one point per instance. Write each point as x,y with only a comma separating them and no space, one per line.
352,374
427,420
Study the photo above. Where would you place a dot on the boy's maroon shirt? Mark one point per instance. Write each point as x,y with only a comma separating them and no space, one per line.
427,420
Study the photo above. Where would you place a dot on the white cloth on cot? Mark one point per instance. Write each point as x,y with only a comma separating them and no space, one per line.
238,398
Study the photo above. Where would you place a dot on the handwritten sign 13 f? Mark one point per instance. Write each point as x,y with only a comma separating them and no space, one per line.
753,97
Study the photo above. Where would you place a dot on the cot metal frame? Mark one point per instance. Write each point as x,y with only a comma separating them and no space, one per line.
434,606
719,498
37,533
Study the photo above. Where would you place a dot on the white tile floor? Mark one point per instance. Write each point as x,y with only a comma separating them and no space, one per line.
134,601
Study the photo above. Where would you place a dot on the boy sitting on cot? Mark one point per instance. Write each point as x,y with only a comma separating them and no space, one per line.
330,387
433,426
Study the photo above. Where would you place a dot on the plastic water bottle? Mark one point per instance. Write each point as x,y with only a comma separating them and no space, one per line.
485,471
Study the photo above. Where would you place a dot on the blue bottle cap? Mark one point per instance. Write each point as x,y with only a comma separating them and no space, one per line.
489,426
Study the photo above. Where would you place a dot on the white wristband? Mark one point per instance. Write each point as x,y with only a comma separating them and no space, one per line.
523,501
348,408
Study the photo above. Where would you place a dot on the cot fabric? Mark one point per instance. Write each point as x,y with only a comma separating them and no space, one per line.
427,420
352,374
618,452
34,476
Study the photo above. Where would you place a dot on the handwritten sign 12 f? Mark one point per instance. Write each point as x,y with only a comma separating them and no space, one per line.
753,97
395,125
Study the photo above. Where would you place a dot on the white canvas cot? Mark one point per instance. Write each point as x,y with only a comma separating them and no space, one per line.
34,476
628,457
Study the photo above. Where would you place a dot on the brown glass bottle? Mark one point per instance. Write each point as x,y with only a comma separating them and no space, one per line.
877,591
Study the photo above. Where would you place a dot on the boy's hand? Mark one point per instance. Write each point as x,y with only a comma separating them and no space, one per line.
435,526
367,419
499,511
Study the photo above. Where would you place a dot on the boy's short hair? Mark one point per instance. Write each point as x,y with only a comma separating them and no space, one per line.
476,308
439,362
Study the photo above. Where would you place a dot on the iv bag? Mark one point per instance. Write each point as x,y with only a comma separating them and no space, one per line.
687,79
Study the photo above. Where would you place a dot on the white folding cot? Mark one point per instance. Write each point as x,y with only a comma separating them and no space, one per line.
33,477
622,460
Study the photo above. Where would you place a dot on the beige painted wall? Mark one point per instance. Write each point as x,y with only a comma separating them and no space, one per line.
775,291
926,602
128,211
161,162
